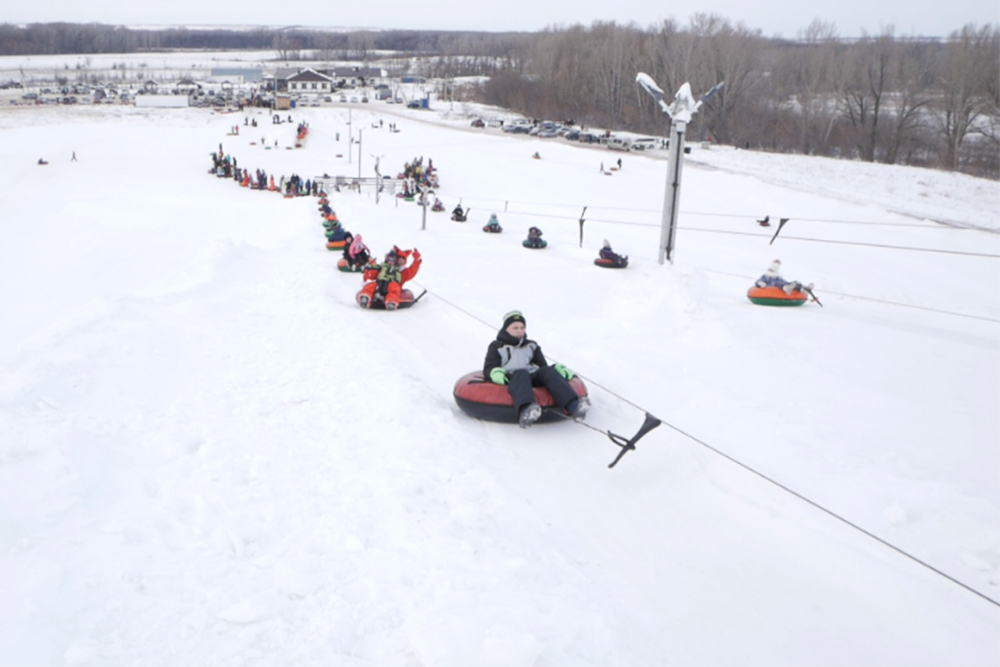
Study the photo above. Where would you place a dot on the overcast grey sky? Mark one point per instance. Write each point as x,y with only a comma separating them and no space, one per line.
772,17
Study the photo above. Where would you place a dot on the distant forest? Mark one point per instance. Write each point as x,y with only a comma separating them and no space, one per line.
879,98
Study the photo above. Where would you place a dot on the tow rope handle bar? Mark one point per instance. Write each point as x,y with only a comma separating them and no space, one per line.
629,445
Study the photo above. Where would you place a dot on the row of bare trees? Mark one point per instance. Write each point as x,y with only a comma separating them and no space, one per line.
878,98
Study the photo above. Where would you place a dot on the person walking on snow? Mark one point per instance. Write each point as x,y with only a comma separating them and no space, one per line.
516,361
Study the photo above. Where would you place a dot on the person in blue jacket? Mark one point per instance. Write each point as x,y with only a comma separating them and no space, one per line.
516,361
772,278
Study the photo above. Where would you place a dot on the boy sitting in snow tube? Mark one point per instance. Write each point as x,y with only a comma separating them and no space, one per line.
610,259
773,290
534,239
514,360
385,281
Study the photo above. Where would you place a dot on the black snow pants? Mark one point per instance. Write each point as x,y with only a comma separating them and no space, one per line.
521,383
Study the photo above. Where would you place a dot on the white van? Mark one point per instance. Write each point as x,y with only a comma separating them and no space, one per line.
619,143
645,144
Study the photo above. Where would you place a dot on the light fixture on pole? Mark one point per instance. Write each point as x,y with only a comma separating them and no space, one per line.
680,111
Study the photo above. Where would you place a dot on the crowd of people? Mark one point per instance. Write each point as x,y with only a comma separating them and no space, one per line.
227,166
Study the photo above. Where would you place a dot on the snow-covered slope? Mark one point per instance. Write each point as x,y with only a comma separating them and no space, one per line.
209,454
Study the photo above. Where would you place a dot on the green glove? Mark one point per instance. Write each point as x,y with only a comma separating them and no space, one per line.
566,373
498,375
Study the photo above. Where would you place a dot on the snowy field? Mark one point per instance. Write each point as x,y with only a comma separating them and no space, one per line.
210,455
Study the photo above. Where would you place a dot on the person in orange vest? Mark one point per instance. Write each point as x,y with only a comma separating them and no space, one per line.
386,280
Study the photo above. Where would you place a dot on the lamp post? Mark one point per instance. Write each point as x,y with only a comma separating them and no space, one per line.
680,112
359,157
378,176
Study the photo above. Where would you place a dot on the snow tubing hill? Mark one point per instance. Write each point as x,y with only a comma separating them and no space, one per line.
528,244
608,264
482,399
405,300
775,296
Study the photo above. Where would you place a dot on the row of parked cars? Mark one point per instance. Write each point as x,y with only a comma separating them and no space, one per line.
548,129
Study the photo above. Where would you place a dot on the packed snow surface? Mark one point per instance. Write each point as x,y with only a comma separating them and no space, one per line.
209,454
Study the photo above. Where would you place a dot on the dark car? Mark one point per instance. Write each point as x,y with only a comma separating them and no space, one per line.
413,105
478,123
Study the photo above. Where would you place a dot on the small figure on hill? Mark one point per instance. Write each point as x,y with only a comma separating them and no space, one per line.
610,255
493,225
534,239
772,278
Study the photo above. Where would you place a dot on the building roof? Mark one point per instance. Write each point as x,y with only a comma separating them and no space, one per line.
308,75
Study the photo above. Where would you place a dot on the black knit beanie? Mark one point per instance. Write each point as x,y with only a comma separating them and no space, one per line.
513,316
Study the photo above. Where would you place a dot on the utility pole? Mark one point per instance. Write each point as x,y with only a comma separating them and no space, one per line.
680,112
350,137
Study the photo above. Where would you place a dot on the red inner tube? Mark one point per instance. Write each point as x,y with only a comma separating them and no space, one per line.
483,399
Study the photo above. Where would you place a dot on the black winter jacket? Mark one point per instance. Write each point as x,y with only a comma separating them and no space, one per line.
506,349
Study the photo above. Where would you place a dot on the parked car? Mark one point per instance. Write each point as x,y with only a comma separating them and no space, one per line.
644,144
343,98
619,143
413,104
478,123
573,135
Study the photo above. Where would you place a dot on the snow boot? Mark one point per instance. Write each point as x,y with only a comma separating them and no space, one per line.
578,408
363,300
529,415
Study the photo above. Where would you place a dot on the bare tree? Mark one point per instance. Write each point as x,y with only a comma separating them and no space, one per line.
968,73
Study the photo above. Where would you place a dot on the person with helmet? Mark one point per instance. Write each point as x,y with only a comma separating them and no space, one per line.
385,281
514,360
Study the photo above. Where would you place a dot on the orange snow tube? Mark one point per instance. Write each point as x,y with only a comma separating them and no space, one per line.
775,296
